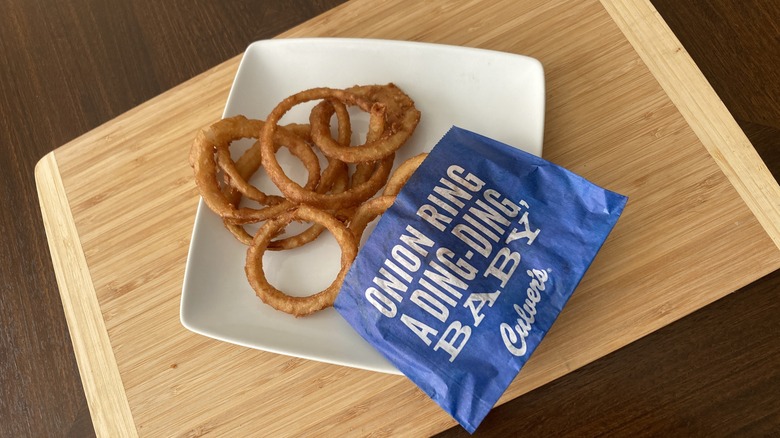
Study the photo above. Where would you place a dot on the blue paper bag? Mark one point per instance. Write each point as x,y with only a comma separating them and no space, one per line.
467,271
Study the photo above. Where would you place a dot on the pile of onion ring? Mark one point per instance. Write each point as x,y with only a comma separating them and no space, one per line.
332,198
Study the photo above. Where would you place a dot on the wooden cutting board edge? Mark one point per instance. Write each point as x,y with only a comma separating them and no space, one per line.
700,106
643,27
106,396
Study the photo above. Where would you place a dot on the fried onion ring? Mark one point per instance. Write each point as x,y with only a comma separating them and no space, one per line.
218,136
329,199
334,178
402,117
370,151
298,306
300,195
402,174
367,212
376,127
293,142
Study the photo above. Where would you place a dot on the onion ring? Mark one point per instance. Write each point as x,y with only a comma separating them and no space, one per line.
376,127
300,195
333,178
402,115
329,199
298,306
219,135
293,142
367,212
402,174
370,151
314,230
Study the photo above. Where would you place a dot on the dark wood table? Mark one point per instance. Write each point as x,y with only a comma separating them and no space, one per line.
71,66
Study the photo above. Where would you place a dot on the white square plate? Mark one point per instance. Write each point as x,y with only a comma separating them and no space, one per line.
496,94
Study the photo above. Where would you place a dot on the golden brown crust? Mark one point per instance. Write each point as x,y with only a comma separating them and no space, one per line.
402,174
298,306
367,212
329,198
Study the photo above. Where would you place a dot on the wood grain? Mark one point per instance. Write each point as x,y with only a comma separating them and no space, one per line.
679,196
67,68
702,109
70,67
102,383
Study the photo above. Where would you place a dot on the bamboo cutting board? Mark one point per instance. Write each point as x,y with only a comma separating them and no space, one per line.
626,108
